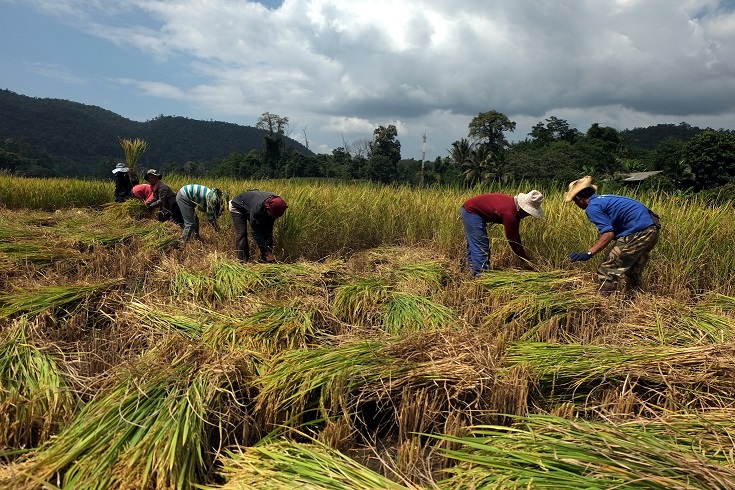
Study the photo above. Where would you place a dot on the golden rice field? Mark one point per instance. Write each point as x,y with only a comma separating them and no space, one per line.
366,358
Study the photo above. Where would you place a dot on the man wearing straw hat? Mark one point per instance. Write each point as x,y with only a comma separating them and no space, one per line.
480,210
630,224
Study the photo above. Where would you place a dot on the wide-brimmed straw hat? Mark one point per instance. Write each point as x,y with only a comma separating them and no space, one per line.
578,185
531,203
120,167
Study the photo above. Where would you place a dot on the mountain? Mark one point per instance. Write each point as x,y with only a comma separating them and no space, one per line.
74,139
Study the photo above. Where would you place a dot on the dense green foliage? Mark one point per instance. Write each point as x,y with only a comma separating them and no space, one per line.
52,137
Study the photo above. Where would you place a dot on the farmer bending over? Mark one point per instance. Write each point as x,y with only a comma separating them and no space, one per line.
480,210
632,226
260,209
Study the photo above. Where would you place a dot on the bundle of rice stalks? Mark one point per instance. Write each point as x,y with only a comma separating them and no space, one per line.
38,254
59,299
700,376
360,302
287,465
158,425
421,278
281,326
325,379
652,320
551,452
405,312
233,279
116,211
166,322
194,286
35,398
536,305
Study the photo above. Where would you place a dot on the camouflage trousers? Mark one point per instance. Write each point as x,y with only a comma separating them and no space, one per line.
628,256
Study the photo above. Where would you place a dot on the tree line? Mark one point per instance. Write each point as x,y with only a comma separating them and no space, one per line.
47,137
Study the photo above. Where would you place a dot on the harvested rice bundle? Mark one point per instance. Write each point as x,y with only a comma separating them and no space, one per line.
286,325
153,427
324,379
545,306
421,278
551,452
61,299
35,397
234,279
38,254
405,312
286,465
669,377
360,302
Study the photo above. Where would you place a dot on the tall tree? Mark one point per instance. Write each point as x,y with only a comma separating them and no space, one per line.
385,153
487,129
273,145
711,156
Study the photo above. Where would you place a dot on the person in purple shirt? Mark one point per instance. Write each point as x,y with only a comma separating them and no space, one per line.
480,210
629,223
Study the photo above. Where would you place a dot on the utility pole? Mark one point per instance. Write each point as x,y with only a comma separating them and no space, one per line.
423,158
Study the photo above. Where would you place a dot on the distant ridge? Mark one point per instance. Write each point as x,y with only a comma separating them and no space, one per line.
81,139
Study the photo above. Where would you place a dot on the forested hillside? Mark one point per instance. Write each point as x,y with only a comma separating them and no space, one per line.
59,137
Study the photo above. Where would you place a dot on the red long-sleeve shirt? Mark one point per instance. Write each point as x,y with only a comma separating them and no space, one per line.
499,209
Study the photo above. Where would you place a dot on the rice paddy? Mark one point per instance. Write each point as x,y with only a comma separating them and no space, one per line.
365,358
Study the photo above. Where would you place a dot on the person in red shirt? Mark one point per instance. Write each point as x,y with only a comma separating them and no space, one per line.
503,209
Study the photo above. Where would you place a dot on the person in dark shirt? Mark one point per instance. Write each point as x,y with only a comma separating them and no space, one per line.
260,209
123,186
503,209
629,223
163,198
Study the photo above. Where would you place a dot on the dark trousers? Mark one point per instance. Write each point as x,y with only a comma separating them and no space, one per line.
240,223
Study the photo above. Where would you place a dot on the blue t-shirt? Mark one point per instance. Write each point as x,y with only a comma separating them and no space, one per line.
619,214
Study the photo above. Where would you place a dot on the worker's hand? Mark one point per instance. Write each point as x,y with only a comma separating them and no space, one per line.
269,257
579,256
148,206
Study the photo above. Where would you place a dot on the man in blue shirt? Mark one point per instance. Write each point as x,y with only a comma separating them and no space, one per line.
631,225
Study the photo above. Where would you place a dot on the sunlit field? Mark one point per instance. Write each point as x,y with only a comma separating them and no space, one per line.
366,357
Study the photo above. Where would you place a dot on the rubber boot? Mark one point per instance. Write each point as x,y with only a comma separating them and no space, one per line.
607,288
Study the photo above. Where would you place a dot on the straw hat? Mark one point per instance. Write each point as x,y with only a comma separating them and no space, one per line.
531,203
578,185
120,167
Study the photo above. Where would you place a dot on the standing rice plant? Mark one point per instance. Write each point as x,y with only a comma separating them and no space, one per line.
286,465
52,193
36,399
58,299
552,452
152,428
133,149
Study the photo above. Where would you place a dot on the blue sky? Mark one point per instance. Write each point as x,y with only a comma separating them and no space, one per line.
340,68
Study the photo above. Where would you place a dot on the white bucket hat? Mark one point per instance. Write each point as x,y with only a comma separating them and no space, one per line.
120,167
531,203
